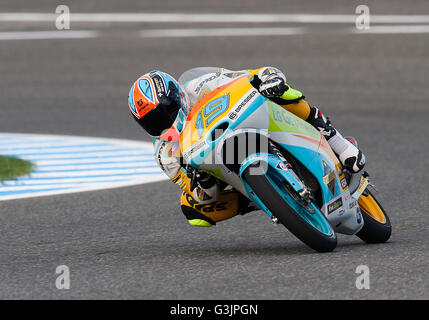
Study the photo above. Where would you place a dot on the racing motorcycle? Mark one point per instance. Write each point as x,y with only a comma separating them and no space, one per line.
283,165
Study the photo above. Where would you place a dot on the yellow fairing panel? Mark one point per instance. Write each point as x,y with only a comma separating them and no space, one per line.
210,109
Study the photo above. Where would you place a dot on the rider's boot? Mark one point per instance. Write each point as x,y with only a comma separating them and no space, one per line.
348,153
230,204
206,215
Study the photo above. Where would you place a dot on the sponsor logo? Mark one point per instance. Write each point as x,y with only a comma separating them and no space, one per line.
246,100
282,116
352,204
202,83
194,149
343,183
282,166
144,107
159,85
334,205
236,110
358,215
341,212
232,115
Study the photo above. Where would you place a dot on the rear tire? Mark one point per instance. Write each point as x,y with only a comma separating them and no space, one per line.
374,231
287,215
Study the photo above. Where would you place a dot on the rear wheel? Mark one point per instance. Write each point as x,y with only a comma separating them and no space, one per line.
377,227
303,219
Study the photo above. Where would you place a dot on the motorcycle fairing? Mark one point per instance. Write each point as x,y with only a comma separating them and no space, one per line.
238,106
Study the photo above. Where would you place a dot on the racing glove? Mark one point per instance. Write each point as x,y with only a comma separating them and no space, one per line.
272,82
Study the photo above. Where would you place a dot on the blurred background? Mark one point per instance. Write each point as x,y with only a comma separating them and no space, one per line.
372,85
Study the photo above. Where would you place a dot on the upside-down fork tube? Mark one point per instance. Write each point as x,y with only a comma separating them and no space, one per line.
363,184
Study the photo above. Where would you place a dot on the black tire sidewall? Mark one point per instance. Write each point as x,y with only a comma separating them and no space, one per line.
372,230
267,193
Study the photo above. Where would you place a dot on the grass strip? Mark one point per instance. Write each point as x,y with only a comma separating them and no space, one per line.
11,167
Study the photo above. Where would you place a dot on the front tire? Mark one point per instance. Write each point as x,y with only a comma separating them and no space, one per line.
376,227
268,193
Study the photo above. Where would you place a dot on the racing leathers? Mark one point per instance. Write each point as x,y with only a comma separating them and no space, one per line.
209,202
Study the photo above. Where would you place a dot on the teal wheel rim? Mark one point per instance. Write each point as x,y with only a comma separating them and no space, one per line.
316,220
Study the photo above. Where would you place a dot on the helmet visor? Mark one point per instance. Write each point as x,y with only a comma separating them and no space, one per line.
160,118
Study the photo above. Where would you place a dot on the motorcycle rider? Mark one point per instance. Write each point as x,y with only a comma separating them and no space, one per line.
160,104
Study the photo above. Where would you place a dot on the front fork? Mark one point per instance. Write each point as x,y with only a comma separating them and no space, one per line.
260,163
358,183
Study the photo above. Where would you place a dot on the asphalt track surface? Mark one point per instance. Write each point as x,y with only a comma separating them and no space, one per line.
133,242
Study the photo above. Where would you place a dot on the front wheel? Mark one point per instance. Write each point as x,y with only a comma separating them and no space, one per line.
376,227
307,223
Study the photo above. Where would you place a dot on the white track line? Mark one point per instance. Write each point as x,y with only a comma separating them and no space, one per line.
60,149
46,186
42,163
6,136
212,18
77,155
40,35
394,29
151,178
218,32
97,166
92,173
87,180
